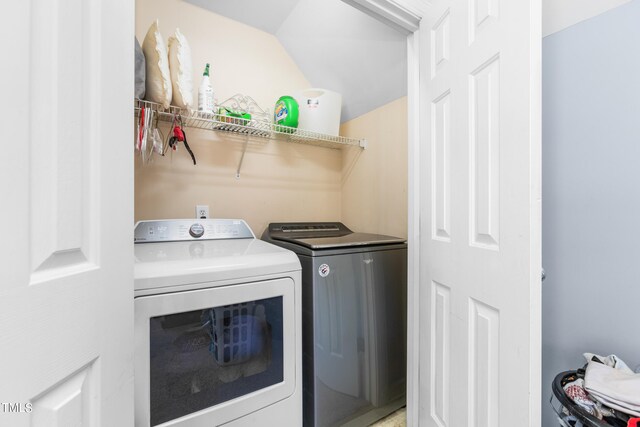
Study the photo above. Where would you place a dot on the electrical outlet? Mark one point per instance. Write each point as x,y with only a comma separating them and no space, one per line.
202,211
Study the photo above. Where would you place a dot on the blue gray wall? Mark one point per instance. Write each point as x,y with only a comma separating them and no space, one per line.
591,193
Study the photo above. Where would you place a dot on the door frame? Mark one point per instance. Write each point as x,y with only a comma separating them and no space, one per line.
405,16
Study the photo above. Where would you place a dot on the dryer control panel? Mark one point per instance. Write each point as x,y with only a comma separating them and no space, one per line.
177,230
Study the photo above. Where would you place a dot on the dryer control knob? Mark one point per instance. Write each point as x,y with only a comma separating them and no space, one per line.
196,230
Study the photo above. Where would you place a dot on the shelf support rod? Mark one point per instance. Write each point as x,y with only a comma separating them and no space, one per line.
244,150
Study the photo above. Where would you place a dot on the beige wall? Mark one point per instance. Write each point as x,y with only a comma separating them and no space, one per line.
374,189
367,189
279,181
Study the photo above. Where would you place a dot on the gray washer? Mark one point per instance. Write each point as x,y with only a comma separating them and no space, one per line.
353,321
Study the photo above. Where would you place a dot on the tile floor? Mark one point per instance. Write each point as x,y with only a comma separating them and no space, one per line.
397,419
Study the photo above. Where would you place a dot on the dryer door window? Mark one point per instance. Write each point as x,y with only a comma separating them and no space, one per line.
205,357
214,360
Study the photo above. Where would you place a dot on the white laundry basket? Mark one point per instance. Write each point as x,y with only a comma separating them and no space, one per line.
320,111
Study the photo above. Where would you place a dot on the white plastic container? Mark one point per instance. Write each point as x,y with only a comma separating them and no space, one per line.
320,111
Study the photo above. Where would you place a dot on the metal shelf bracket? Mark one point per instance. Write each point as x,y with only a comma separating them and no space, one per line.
244,150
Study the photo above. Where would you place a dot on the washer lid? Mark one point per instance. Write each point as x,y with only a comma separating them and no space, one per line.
345,241
164,264
326,235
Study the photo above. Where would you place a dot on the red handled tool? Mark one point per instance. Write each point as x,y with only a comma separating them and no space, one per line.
180,136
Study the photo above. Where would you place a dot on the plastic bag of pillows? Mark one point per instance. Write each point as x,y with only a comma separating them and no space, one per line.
168,74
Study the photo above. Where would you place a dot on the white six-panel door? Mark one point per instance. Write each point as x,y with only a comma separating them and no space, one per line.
480,214
66,252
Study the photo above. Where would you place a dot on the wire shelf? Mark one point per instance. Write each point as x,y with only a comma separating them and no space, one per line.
260,127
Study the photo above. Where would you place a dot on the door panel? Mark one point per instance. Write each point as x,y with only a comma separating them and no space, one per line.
61,179
66,255
439,369
68,403
484,155
441,167
480,214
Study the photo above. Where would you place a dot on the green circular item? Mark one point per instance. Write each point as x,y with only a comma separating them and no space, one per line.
286,112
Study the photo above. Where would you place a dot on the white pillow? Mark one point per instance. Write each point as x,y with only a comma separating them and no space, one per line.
180,68
158,80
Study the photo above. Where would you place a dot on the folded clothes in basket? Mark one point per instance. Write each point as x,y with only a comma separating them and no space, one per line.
610,381
575,390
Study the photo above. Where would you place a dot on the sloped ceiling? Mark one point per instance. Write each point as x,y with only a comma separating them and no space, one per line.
336,47
266,15
342,49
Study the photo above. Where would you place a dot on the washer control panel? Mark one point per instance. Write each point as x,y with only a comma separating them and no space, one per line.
177,230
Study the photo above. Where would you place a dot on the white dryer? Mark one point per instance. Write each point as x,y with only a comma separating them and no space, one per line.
217,327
